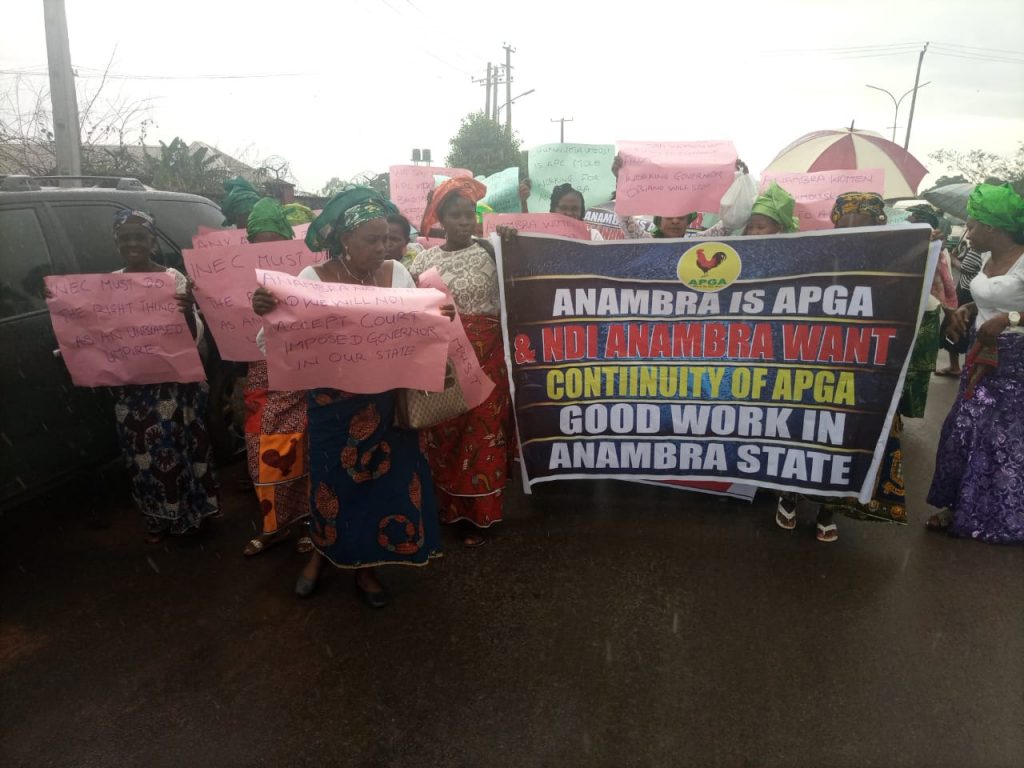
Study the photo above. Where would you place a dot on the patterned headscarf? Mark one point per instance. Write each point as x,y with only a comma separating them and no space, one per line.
352,206
925,214
868,203
778,205
999,207
471,189
268,216
297,213
239,198
145,220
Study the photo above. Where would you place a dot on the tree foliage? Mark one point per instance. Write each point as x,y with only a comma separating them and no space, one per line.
977,165
179,169
483,146
381,182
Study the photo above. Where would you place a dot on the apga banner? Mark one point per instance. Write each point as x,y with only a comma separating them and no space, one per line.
225,279
773,361
120,328
815,193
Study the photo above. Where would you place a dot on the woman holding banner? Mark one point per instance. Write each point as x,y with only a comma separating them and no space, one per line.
372,500
161,427
470,455
568,201
276,442
979,466
859,209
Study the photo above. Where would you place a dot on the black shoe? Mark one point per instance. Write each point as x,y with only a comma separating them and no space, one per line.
372,599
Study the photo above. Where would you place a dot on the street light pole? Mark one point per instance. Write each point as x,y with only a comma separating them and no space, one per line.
896,103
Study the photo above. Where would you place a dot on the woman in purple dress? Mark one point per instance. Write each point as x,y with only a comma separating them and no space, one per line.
979,468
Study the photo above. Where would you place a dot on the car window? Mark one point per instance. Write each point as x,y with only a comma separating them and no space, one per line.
24,261
90,231
179,219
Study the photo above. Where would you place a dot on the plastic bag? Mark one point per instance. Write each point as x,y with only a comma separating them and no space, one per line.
738,201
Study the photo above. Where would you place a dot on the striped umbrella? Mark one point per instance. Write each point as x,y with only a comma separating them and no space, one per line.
850,149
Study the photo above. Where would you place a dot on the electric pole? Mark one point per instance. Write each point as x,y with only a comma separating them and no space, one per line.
509,50
491,79
66,131
563,121
494,92
913,99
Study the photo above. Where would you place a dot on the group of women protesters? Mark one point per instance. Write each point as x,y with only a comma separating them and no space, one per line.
373,494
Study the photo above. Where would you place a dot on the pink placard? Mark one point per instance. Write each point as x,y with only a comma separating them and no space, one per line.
673,178
815,193
225,278
410,184
476,385
210,238
538,223
122,328
357,338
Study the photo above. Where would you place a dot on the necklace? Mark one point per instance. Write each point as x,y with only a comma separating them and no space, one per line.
360,280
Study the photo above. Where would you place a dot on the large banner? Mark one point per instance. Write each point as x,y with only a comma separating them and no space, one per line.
122,328
774,361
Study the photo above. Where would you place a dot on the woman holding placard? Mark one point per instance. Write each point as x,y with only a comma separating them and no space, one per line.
161,427
372,499
276,441
470,455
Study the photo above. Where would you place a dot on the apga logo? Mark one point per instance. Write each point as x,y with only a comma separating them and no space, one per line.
709,266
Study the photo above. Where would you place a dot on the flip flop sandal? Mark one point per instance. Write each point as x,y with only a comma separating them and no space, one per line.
785,518
827,533
473,540
940,521
948,373
304,545
256,545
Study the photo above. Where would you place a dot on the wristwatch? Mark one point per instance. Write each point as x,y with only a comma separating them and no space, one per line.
1014,318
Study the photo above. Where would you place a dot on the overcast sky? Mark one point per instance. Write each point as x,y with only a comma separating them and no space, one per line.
375,78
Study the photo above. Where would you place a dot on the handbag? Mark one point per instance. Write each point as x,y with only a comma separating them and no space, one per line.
418,409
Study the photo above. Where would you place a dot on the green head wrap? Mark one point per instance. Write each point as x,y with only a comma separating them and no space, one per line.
239,198
999,207
778,205
268,216
297,213
352,206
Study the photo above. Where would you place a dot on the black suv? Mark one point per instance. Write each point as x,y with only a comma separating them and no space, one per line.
49,428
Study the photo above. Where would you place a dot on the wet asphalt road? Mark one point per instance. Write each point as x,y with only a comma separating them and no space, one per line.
605,624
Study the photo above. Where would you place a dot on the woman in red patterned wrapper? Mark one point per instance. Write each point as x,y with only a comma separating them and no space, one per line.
470,455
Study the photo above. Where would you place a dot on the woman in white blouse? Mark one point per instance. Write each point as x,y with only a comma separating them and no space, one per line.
979,468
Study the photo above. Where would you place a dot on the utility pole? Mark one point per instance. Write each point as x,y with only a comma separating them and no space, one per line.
913,99
494,93
66,131
491,79
509,50
563,121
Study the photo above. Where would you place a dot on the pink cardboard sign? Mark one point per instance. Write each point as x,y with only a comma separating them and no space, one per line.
210,238
475,384
225,278
673,178
122,328
357,338
410,184
539,223
815,193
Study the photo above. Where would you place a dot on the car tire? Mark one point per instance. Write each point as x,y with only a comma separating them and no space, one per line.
225,418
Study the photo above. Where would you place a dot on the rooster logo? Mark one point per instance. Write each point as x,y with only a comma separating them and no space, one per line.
706,264
709,267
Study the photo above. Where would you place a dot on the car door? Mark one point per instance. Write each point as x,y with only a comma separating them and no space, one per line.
48,427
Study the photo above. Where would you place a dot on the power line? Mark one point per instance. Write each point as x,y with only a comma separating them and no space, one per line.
976,48
87,73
